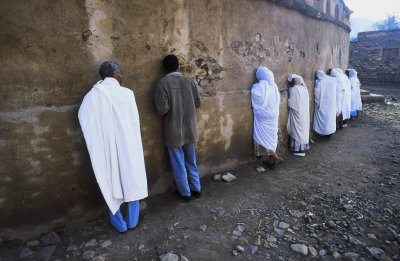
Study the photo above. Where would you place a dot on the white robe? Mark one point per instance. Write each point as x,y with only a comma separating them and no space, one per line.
110,123
339,91
265,99
298,125
355,85
325,104
346,107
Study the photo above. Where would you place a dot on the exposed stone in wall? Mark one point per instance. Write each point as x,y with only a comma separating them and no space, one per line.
202,67
49,60
376,56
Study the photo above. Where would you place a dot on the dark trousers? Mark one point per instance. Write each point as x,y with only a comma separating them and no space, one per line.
339,121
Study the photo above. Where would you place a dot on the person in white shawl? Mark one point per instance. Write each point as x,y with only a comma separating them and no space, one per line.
356,104
339,97
265,100
325,104
298,125
110,124
346,97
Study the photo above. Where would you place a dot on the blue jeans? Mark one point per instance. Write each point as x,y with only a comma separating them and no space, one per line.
131,217
186,174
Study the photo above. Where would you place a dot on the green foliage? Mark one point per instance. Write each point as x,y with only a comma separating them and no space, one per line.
391,22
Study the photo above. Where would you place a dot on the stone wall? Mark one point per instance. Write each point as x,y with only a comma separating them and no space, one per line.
376,56
50,53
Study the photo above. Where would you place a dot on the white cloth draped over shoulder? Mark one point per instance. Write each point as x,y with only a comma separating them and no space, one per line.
356,91
325,104
265,100
346,107
110,123
339,91
298,125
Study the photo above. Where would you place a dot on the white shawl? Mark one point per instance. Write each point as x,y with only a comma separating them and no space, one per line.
346,107
265,99
325,104
298,125
110,123
355,88
339,91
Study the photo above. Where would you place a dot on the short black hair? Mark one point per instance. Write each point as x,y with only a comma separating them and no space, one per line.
329,71
171,63
108,68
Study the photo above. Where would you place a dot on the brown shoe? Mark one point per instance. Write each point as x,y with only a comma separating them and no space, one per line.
275,164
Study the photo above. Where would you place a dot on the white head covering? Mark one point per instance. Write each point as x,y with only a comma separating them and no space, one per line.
299,114
325,104
355,89
265,99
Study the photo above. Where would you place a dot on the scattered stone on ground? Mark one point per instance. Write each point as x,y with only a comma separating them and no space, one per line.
91,243
217,177
260,169
33,243
169,257
312,251
45,253
228,177
50,238
88,255
253,249
106,243
239,249
299,248
26,252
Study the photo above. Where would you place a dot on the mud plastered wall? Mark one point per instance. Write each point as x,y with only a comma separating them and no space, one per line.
376,56
50,53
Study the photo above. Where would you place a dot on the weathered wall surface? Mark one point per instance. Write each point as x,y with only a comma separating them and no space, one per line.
376,56
49,56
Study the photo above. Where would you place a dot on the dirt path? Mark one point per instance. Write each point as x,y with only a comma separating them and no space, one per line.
342,199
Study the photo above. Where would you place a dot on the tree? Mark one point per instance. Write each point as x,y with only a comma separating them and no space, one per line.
391,22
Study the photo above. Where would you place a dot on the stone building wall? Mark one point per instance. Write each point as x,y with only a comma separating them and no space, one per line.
376,56
49,56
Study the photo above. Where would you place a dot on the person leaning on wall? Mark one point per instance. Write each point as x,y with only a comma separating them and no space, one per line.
325,104
298,125
339,98
265,100
109,120
176,97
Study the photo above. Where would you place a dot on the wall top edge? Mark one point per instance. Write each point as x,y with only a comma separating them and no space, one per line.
310,11
379,31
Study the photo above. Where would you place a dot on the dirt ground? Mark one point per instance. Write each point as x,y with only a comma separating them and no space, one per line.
342,201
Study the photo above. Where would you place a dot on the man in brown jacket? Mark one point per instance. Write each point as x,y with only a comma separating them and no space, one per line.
176,98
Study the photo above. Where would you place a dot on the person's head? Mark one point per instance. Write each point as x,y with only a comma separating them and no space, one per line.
295,79
264,74
171,63
334,73
320,74
352,73
110,69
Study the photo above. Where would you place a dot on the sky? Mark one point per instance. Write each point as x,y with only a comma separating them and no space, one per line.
373,9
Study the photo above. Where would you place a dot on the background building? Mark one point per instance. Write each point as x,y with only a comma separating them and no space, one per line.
376,57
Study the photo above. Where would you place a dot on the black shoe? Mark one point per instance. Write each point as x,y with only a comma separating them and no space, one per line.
185,198
196,194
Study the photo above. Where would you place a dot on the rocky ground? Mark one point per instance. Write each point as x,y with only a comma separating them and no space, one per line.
342,201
